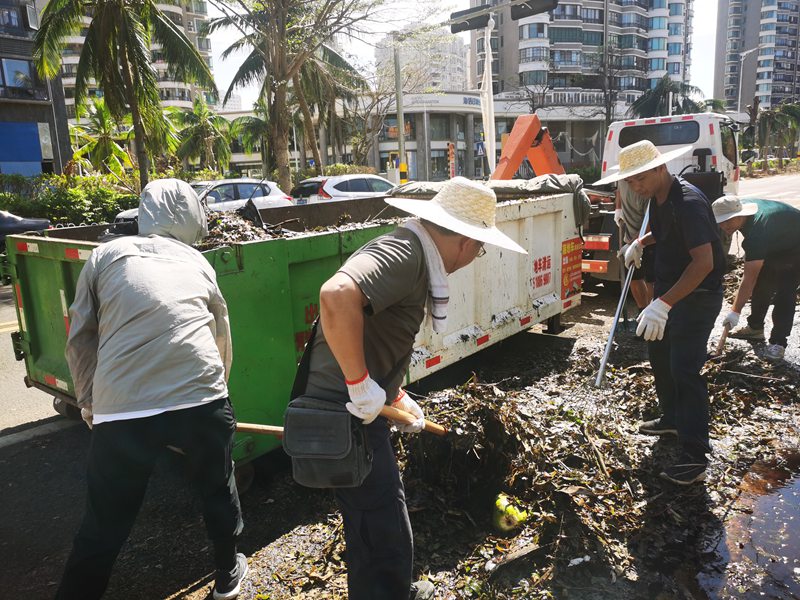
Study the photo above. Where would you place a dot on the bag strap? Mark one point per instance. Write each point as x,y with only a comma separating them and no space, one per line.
301,377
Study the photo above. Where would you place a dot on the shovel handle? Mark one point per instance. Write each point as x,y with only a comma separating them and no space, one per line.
261,429
395,414
722,338
406,418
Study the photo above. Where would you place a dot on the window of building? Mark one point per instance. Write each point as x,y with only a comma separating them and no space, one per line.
658,4
565,58
389,130
533,54
532,31
593,38
769,14
674,68
676,10
766,39
203,43
533,78
675,49
633,41
633,20
768,26
675,29
592,15
9,17
566,34
440,127
567,11
17,73
657,64
657,23
657,44
440,166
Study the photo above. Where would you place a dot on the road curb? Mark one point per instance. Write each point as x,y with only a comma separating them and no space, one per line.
34,432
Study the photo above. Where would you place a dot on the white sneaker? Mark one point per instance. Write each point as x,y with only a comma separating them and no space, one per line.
774,352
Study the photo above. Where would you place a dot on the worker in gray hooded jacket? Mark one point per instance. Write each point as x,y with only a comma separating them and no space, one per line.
149,350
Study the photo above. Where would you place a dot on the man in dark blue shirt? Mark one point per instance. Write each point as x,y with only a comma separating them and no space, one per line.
689,265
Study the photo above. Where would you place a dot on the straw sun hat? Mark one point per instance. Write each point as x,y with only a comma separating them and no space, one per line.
463,206
728,207
638,158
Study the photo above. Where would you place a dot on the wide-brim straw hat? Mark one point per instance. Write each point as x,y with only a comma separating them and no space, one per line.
465,207
730,206
638,158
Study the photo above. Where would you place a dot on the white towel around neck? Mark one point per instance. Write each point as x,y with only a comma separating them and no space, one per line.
438,288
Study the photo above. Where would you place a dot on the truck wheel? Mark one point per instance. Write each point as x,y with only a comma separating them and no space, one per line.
245,475
554,325
65,409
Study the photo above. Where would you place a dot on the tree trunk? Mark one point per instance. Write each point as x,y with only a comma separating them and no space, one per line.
308,124
138,125
264,160
279,136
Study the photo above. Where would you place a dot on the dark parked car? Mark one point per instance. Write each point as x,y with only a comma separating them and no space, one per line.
11,224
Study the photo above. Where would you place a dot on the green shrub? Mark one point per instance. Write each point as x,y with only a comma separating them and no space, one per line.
66,200
342,169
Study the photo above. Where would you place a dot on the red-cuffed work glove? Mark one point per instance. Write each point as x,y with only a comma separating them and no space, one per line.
406,403
367,398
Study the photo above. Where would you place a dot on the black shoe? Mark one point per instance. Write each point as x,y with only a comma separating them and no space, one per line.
657,427
228,583
422,590
687,471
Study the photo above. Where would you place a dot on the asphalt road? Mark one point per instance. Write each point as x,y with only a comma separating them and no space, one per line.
23,407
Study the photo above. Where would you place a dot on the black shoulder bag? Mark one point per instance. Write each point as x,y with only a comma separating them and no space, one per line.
327,444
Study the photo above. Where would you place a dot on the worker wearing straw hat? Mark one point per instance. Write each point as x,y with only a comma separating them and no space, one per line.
370,313
689,264
771,232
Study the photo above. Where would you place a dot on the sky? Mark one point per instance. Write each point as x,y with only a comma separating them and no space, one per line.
702,70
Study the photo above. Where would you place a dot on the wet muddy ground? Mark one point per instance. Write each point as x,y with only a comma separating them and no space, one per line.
600,523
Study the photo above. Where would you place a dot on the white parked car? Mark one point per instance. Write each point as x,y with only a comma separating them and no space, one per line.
340,187
230,194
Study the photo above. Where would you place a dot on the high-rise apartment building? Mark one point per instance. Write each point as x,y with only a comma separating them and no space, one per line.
756,52
33,130
189,17
432,61
562,50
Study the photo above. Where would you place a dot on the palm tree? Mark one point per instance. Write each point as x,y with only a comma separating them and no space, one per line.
279,37
116,55
253,130
204,135
655,101
102,139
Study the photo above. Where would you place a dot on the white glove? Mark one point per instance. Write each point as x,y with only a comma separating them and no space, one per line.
367,399
652,320
633,254
87,416
731,320
618,218
406,403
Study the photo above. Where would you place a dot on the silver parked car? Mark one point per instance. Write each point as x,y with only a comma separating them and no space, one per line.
340,187
230,194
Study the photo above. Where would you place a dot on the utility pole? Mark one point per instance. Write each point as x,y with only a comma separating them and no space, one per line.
402,167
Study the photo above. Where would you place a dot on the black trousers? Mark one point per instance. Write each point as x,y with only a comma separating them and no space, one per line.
777,284
676,360
380,547
122,455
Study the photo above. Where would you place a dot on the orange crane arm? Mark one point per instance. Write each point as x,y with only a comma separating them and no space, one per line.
528,139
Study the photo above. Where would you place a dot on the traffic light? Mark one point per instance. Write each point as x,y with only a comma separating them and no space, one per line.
531,7
465,23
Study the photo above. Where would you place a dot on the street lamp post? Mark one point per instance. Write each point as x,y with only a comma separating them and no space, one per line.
742,56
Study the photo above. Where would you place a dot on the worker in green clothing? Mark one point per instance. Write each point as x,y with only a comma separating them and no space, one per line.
771,232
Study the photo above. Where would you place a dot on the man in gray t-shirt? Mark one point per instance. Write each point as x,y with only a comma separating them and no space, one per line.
370,313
